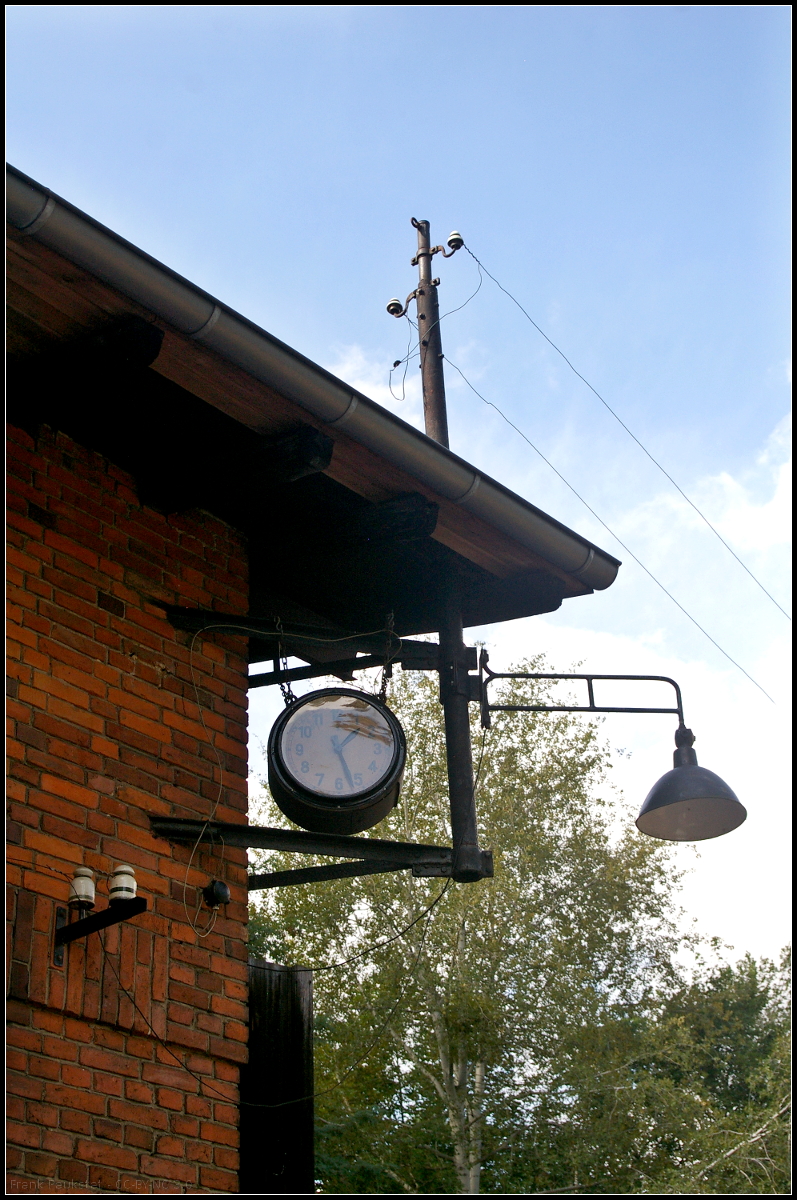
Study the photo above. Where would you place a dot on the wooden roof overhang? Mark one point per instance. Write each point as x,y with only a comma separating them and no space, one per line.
350,515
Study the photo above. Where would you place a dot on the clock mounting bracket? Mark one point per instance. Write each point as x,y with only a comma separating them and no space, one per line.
454,663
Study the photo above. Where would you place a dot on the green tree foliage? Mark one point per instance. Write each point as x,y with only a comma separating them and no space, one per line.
528,1033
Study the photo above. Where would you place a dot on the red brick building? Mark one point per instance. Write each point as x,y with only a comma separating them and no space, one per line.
152,463
105,729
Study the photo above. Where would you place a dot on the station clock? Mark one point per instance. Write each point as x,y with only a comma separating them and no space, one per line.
335,761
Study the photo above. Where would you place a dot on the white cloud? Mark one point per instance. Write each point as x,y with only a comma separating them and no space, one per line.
746,523
372,379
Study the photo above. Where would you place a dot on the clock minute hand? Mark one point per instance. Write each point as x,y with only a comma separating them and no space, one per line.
339,751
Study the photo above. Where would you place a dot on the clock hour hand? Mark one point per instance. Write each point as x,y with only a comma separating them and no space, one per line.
338,748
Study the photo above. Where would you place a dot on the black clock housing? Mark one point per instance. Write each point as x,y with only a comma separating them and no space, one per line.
364,806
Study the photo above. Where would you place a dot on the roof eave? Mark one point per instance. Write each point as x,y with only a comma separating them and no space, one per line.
35,211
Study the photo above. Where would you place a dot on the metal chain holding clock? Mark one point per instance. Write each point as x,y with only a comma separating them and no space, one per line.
285,688
387,669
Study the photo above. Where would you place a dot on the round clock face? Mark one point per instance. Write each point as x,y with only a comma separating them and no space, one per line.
338,746
335,761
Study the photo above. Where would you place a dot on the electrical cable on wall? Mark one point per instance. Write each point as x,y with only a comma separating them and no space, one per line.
358,1062
194,922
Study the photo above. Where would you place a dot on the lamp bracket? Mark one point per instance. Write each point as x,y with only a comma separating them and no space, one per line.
486,676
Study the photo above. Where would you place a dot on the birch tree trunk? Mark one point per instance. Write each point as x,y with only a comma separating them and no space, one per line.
460,1084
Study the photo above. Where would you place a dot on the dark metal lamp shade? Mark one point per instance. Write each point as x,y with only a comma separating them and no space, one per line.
689,803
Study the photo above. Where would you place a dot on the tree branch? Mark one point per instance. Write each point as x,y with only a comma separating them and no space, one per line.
747,1141
408,1050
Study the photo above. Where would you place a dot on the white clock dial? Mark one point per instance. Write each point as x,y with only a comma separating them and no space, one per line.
337,745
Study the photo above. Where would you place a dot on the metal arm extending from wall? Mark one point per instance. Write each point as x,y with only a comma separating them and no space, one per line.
459,687
121,910
370,856
486,676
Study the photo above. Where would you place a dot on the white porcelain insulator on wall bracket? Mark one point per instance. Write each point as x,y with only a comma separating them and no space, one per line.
81,888
123,883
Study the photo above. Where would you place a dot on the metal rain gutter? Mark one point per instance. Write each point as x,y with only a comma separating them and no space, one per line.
36,212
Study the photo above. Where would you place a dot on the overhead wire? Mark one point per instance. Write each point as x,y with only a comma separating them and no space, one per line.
610,531
481,268
406,361
630,433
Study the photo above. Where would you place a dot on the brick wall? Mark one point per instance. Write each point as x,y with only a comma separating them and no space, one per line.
104,730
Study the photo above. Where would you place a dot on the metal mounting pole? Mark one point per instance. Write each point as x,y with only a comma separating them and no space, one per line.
434,388
467,863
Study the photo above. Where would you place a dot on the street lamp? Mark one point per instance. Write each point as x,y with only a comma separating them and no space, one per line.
689,803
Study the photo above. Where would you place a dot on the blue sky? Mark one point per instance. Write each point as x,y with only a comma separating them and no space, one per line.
622,169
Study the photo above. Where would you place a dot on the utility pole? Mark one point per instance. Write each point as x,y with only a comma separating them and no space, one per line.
431,345
468,864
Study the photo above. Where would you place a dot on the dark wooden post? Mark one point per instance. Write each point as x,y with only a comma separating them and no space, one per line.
277,1142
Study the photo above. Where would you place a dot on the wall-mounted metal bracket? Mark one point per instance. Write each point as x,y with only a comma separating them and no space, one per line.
412,656
486,676
61,917
121,910
376,855
458,687
299,641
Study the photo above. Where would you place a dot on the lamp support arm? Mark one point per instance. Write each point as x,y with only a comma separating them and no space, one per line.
486,676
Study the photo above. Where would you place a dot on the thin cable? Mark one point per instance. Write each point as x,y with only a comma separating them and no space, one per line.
152,1030
620,421
299,637
479,764
411,352
358,1062
378,945
471,297
611,531
201,933
247,1103
397,363
29,866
